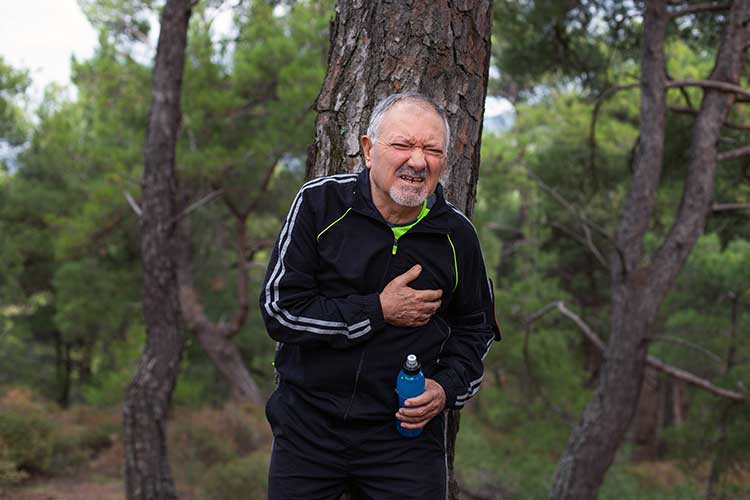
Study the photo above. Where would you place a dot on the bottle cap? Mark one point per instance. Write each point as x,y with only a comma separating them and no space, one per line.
411,364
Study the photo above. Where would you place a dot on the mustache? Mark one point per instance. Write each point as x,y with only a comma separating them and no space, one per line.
406,170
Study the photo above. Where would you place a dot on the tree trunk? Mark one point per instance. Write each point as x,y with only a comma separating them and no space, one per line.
679,402
147,471
639,285
438,48
216,338
67,374
647,420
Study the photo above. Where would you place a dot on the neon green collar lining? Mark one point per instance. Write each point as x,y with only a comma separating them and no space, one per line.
399,231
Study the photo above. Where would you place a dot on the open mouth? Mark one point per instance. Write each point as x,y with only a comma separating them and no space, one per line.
411,180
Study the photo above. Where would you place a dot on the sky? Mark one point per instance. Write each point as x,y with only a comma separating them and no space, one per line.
42,35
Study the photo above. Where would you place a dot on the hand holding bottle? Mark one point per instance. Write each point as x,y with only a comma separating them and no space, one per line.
423,408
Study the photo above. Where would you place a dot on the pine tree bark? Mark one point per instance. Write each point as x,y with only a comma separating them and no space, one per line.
147,472
439,48
640,283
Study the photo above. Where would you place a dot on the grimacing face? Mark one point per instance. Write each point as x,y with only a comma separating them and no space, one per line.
408,156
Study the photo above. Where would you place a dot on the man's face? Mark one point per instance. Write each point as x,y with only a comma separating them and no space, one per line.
408,157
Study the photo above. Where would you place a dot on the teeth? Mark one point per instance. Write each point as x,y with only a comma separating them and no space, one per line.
411,179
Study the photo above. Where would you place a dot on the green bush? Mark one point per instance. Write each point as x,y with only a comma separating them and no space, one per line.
26,440
238,479
67,453
37,437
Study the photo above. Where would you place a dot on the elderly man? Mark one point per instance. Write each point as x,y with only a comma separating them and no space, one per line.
367,269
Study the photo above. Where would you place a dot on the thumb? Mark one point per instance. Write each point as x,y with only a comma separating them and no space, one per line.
411,274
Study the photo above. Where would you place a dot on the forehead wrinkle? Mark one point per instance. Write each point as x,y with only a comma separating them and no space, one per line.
392,119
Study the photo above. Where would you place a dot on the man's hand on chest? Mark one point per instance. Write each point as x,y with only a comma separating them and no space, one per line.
405,306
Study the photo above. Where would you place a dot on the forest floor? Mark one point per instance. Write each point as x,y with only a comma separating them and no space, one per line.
199,439
99,479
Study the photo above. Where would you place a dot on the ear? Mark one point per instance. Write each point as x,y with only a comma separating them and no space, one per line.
366,149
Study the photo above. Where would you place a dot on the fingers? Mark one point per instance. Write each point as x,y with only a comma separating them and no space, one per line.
409,275
415,415
423,399
418,411
417,425
429,295
405,306
415,418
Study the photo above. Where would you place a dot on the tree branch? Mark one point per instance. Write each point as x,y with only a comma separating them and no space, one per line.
535,384
195,205
266,182
710,84
691,345
697,193
133,204
567,205
242,280
734,154
723,207
586,329
699,8
572,209
637,211
692,379
587,242
652,361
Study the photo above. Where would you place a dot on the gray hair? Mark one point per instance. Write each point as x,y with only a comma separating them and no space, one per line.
383,106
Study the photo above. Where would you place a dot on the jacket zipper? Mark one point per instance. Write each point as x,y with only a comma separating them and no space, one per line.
437,359
356,381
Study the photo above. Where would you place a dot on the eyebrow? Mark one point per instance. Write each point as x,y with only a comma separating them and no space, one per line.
427,144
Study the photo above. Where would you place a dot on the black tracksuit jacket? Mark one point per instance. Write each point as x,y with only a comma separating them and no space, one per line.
320,301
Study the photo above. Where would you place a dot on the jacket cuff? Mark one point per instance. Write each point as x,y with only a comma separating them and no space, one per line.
373,309
452,389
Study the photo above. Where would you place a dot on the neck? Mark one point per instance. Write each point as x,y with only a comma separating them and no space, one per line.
394,213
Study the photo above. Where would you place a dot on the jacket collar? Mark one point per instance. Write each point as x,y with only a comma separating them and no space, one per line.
362,203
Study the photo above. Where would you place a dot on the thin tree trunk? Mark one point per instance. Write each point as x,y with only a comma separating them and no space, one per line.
147,472
216,338
61,375
714,477
646,425
638,289
678,402
67,376
717,464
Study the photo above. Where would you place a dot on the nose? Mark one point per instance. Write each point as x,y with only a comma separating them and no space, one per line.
417,158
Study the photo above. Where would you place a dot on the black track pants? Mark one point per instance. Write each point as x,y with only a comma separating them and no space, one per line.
316,457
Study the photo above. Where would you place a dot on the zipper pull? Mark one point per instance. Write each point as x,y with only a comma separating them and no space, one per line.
394,249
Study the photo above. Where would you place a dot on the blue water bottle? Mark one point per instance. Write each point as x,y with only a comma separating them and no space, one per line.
410,384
